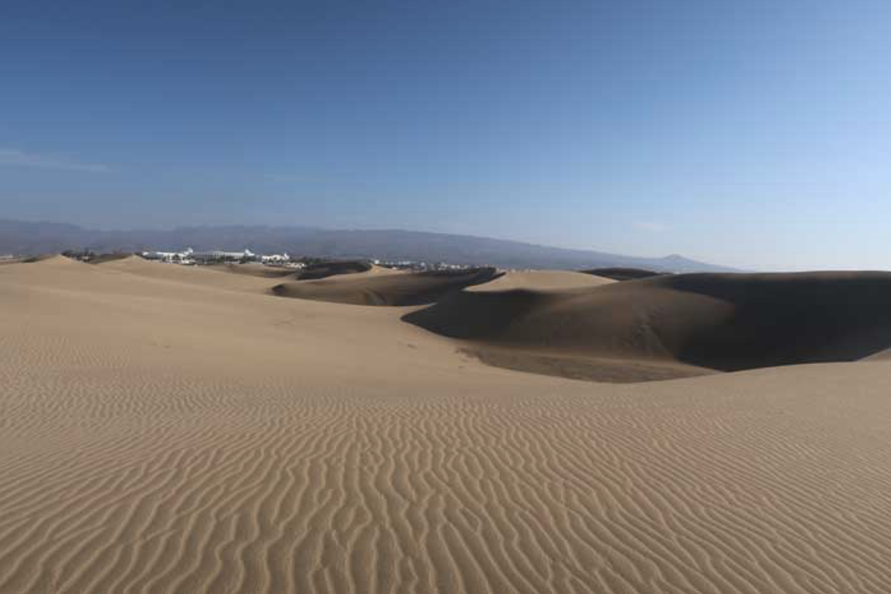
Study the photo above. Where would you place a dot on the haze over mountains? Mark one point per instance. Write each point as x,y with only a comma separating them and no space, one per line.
31,238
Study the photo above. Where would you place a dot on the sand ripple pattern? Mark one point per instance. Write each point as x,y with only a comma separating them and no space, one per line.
124,473
270,490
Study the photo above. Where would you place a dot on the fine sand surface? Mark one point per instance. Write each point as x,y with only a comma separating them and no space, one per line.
394,288
541,280
162,431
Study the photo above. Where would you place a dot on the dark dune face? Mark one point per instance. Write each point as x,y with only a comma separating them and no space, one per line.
326,269
103,258
40,258
725,322
622,274
784,319
256,270
417,288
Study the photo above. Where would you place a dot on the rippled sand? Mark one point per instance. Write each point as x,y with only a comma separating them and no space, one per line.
168,429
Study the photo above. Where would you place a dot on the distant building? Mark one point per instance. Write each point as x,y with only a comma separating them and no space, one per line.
177,257
275,259
221,256
190,256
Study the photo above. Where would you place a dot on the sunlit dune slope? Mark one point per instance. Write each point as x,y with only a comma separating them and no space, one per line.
544,280
206,276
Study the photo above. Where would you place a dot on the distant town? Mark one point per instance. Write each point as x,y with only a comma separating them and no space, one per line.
190,257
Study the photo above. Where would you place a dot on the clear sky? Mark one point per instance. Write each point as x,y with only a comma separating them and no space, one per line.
754,134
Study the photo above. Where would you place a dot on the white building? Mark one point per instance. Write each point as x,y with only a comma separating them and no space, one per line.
275,258
169,256
221,256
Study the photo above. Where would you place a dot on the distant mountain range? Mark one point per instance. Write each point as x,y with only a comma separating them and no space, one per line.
30,238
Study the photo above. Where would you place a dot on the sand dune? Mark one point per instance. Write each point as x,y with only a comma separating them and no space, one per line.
160,434
204,276
104,258
543,280
622,274
41,258
394,289
879,356
672,326
254,269
326,269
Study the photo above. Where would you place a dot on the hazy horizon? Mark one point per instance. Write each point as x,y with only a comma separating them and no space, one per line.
751,136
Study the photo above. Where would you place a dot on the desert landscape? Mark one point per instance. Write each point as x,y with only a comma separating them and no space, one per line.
236,429
503,297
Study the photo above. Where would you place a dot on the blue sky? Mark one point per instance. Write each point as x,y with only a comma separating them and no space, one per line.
754,134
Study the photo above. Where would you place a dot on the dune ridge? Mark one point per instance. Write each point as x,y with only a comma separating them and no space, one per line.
103,258
334,268
209,277
542,280
622,274
160,432
393,289
254,269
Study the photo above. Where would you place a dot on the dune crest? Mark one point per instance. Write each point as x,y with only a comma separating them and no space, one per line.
105,258
542,280
254,269
393,289
622,274
208,277
334,268
52,260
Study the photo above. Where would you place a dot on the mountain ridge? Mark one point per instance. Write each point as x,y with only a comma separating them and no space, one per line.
31,238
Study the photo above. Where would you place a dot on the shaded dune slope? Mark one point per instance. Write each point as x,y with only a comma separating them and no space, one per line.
622,274
326,269
692,323
387,289
103,258
56,258
257,270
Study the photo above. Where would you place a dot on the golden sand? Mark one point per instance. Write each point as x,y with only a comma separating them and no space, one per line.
167,429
